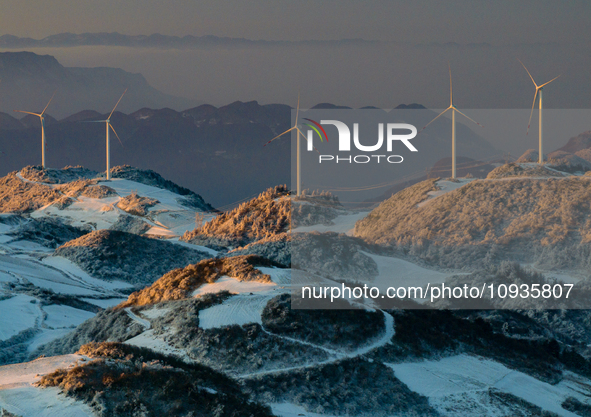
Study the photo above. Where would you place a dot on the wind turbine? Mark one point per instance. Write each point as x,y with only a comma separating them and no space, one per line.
42,118
539,89
107,121
298,133
453,109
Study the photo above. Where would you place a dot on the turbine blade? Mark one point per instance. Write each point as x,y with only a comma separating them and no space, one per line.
468,117
28,112
532,78
300,132
437,117
113,129
48,103
92,121
451,93
297,109
278,136
113,111
549,81
532,111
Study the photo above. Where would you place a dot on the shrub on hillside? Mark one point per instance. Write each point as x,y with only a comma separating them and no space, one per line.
347,387
20,196
109,325
264,216
136,381
116,255
338,328
136,204
235,349
523,219
276,248
180,283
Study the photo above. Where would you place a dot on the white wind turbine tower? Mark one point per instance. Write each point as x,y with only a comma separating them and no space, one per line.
453,124
109,126
539,89
42,118
298,133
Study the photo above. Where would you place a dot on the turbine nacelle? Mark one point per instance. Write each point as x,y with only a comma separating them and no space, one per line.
298,133
453,109
539,89
41,117
109,126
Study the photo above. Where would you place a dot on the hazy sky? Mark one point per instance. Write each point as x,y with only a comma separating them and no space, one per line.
552,37
410,21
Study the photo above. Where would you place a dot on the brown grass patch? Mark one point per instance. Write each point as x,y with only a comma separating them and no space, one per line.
266,215
179,283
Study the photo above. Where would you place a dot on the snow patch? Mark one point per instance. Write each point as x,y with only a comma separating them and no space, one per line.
60,316
155,312
234,286
280,276
292,410
445,187
147,339
397,272
240,309
344,223
22,374
18,313
42,402
464,374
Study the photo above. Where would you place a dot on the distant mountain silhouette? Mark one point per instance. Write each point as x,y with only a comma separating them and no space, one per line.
413,106
577,143
329,106
215,151
218,151
154,40
29,80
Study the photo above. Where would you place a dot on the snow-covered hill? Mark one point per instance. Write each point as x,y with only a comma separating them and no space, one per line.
44,296
20,396
520,212
228,315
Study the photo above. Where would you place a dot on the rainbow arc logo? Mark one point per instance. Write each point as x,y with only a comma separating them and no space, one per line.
315,126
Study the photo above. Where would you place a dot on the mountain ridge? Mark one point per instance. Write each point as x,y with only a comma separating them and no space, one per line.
29,80
68,39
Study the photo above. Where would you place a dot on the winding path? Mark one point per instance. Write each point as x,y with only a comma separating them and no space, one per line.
145,323
337,355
